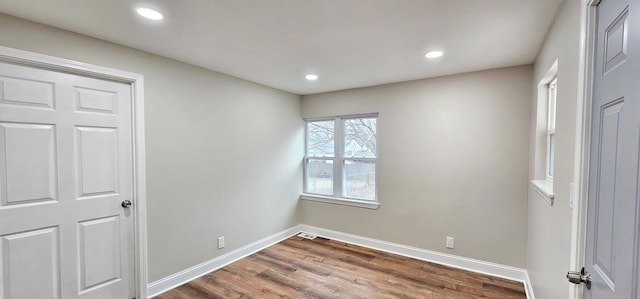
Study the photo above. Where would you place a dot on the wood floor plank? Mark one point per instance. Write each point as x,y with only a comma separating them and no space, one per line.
350,278
247,288
398,275
323,268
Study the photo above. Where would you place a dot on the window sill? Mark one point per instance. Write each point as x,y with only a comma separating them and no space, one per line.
545,189
341,201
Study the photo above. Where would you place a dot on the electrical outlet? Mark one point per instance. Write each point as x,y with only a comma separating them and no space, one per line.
450,242
220,242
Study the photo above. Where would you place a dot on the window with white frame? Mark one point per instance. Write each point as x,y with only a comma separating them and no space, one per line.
545,140
341,157
551,126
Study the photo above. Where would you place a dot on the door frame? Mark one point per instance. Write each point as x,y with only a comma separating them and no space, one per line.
136,81
579,194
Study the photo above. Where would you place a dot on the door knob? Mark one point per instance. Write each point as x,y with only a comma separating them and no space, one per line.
576,277
126,203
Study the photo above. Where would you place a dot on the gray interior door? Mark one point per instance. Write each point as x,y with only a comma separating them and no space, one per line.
612,223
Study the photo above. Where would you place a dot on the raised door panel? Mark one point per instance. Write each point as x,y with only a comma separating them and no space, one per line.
28,157
616,37
605,200
100,261
97,101
26,92
97,160
30,264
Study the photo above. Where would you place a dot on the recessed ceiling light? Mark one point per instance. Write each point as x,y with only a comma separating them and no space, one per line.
434,54
311,77
150,13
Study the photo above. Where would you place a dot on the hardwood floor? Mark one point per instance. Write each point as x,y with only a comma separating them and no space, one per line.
322,268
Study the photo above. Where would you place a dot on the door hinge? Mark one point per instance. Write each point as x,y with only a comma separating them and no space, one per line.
576,277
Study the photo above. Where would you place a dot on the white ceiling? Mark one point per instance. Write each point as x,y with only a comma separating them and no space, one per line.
348,43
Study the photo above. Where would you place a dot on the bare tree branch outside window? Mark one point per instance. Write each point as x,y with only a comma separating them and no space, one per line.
320,138
360,137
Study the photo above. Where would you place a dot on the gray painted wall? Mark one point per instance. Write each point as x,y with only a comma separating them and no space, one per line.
223,154
549,234
452,162
459,170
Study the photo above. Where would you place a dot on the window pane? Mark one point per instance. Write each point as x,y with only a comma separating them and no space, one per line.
319,177
360,179
551,155
320,138
360,138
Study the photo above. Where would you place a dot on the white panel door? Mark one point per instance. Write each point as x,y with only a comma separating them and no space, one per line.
613,219
65,169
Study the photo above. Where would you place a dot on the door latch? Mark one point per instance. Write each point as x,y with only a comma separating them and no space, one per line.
576,277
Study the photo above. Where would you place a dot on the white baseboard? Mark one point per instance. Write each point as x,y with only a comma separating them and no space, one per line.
493,269
528,287
162,285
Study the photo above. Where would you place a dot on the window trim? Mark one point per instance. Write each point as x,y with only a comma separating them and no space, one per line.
545,189
338,162
341,201
552,96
